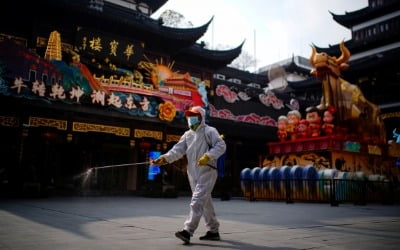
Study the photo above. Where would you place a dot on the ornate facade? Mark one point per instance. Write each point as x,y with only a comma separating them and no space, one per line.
92,83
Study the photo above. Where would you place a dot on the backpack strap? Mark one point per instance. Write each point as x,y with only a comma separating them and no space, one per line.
206,135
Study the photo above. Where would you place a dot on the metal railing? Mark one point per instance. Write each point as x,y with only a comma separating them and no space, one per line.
333,191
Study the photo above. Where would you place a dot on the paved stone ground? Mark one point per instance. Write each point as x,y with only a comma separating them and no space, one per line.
150,223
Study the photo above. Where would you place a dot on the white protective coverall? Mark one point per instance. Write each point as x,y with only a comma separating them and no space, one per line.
205,139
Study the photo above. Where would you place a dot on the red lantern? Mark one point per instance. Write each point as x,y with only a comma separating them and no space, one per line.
145,145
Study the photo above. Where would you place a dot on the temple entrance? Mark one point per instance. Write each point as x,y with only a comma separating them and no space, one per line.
52,162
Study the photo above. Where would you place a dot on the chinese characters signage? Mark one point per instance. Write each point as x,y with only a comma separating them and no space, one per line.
103,46
131,103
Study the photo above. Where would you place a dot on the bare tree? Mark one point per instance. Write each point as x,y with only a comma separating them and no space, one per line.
244,61
174,19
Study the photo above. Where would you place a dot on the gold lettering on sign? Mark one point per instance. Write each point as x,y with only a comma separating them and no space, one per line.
90,127
140,133
173,138
129,51
9,121
47,122
113,47
95,44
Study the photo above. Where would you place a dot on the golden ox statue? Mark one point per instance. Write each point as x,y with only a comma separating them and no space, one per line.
353,109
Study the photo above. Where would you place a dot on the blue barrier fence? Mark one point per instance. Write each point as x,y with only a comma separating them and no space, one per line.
306,184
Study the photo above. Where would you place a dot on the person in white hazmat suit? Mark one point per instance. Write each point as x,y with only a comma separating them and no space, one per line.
202,145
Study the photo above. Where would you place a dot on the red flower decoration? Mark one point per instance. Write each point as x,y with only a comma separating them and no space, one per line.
331,109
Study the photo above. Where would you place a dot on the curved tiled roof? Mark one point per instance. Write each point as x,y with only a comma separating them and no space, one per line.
244,76
334,50
357,46
149,26
293,67
110,18
211,58
352,18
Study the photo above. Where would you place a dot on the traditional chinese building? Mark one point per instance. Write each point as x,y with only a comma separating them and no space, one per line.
95,83
291,81
99,82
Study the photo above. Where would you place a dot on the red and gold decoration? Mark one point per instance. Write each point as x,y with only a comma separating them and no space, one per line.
47,122
347,99
167,111
143,133
162,93
90,127
344,132
9,121
249,118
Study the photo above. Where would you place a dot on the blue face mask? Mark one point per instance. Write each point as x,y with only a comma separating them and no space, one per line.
193,120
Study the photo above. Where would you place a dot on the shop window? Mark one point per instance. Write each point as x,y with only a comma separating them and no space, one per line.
381,27
361,34
219,76
356,36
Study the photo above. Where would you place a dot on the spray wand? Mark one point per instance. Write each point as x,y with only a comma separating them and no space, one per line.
118,165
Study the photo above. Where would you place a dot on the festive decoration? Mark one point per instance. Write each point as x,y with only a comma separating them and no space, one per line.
47,122
314,121
232,95
328,125
270,99
53,50
141,133
350,137
91,127
167,111
294,117
167,95
9,121
159,73
293,104
351,105
282,128
250,118
228,95
302,129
